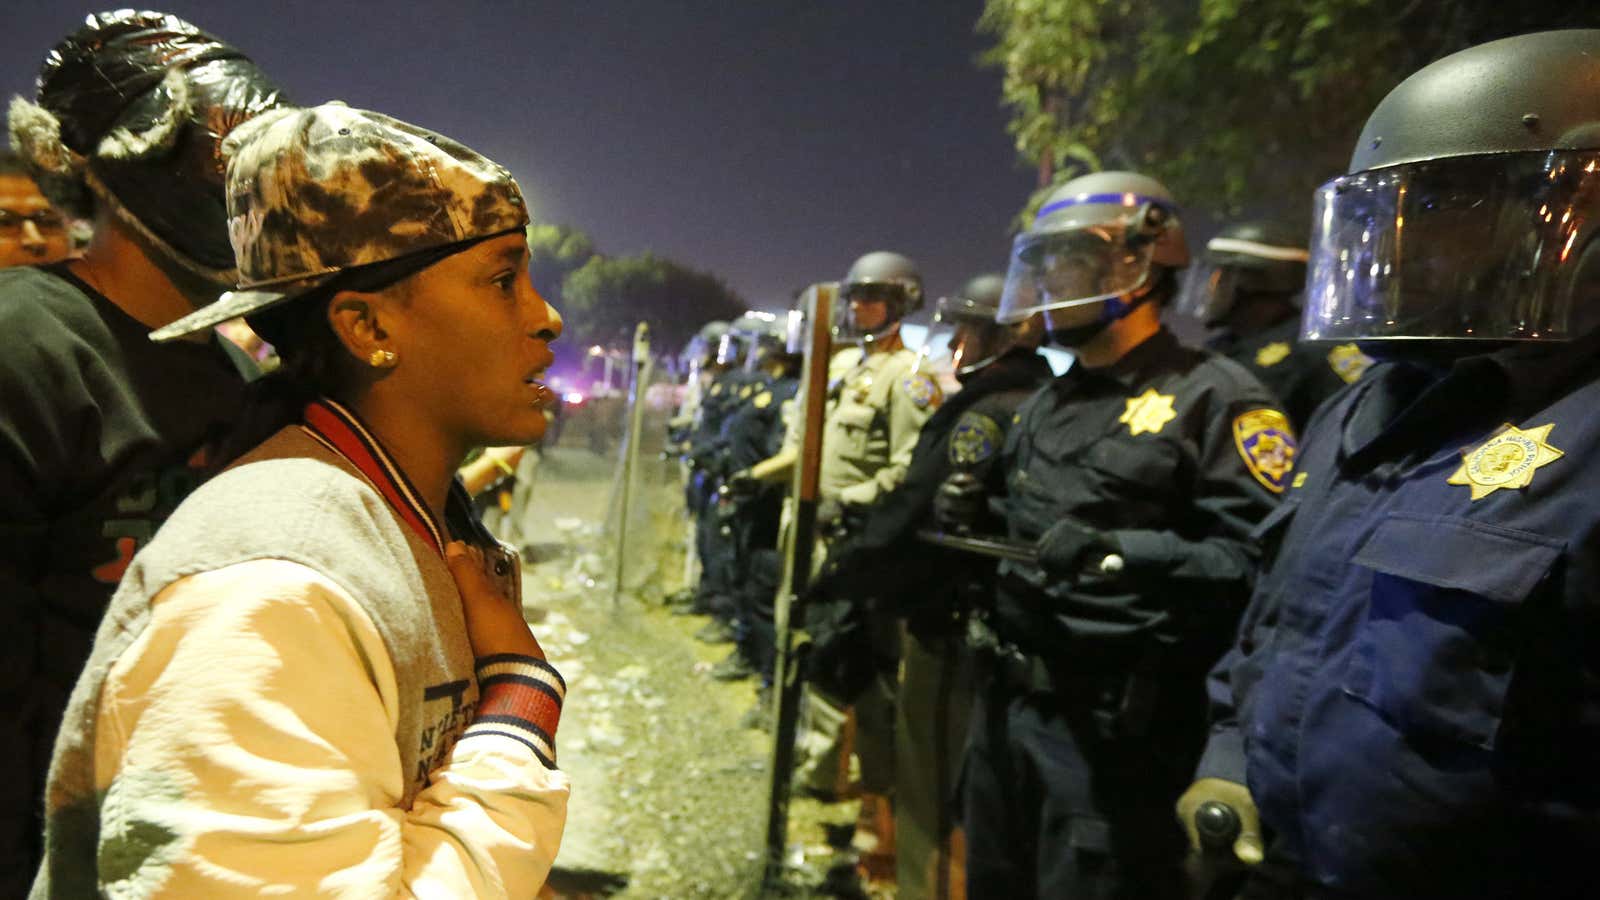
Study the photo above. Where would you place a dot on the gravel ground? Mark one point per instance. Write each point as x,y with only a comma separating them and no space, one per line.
669,792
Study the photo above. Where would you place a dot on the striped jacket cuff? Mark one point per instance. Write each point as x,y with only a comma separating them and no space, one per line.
520,697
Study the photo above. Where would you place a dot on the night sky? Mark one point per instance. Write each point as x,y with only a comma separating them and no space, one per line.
767,142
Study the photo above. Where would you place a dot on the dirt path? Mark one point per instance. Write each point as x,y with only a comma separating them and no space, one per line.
669,792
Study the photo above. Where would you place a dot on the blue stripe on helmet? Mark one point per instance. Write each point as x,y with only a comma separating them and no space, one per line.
1118,199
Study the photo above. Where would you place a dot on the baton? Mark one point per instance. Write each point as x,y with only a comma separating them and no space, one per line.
996,548
999,548
1217,825
1215,874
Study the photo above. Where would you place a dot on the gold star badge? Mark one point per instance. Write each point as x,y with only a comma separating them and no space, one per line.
1507,460
1272,354
1148,412
1348,362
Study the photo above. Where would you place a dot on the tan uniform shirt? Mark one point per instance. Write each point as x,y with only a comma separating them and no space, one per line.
876,407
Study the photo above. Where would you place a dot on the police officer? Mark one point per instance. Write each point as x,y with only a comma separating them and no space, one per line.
998,366
1414,696
1248,291
728,389
697,359
699,362
877,403
752,510
1137,477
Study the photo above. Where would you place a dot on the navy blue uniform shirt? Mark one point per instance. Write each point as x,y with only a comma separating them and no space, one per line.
1175,454
1300,375
1415,691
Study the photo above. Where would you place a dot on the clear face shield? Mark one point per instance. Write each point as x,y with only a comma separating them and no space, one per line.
1073,267
1497,247
794,332
964,337
1207,292
1234,268
868,311
694,357
757,333
730,350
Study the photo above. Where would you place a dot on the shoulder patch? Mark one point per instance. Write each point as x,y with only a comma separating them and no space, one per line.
975,439
922,390
763,400
1272,354
1267,446
1348,362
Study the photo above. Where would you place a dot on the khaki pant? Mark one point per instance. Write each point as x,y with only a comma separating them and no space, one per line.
933,709
829,735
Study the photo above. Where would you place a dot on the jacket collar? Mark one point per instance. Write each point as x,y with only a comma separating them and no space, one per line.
341,431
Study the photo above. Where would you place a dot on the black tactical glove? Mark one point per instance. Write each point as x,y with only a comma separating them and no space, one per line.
959,505
1070,546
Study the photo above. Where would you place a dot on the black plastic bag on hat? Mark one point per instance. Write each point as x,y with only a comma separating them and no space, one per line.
135,105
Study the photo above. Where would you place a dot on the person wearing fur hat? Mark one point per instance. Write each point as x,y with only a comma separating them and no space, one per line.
101,431
337,694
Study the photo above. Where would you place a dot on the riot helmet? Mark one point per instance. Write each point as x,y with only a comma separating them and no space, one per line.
1101,241
701,351
766,338
131,109
731,347
964,325
1245,261
878,276
1471,203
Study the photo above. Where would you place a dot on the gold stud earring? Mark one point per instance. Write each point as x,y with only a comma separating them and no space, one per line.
382,359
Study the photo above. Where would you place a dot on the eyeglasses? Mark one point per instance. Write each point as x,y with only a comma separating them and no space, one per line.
45,220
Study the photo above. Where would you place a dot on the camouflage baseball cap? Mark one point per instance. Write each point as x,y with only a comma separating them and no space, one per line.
318,191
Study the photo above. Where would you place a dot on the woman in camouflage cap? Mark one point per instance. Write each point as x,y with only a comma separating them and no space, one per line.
313,680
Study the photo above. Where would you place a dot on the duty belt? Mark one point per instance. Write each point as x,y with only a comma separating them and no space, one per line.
1122,703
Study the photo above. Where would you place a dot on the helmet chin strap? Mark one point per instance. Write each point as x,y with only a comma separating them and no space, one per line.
1112,310
892,329
223,278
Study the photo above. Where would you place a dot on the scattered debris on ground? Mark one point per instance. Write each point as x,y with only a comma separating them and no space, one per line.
669,791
